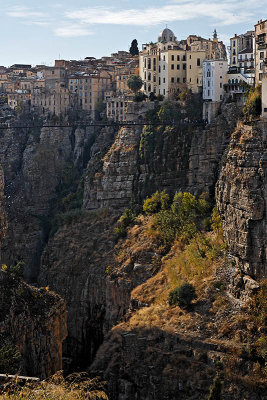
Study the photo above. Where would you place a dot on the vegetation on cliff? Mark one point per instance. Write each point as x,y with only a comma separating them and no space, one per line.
77,386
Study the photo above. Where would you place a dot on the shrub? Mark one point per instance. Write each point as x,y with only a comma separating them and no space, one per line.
10,359
157,202
182,295
127,218
252,108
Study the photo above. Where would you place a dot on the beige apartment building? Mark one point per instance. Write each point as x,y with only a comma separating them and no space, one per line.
56,101
260,49
169,65
264,91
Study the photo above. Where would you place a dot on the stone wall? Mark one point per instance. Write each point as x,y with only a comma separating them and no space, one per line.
241,198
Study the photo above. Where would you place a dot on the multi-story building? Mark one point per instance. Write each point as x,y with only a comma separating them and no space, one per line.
169,65
264,90
214,72
242,51
260,49
90,89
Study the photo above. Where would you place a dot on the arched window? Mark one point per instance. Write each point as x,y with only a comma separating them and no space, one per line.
149,76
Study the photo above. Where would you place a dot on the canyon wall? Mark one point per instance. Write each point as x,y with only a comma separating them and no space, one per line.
241,198
34,320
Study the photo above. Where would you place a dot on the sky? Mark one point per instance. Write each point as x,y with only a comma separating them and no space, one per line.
38,32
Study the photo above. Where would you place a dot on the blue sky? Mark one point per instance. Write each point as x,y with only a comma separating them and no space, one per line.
38,32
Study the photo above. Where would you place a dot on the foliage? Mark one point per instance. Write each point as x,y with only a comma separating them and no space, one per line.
183,295
76,386
140,96
216,389
252,108
10,359
183,219
134,48
20,107
135,83
157,202
152,96
127,218
216,222
151,116
147,140
169,112
14,271
160,97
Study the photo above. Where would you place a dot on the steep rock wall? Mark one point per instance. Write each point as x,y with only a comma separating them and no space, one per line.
175,158
34,161
241,198
35,321
2,209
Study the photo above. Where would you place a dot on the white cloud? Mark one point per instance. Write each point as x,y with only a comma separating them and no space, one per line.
72,31
223,13
24,12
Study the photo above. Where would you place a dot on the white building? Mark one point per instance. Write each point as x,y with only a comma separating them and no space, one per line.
214,72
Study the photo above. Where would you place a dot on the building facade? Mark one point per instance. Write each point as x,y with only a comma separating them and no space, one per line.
168,66
260,49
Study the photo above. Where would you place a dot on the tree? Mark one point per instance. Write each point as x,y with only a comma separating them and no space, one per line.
182,295
169,112
135,83
134,48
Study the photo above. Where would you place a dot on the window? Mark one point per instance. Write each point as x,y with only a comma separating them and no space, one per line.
184,66
190,66
184,57
178,80
163,80
149,63
261,55
190,56
154,78
164,67
178,66
198,62
178,58
145,62
184,80
163,58
172,80
172,58
234,43
159,68
208,83
208,92
221,85
172,66
159,80
149,76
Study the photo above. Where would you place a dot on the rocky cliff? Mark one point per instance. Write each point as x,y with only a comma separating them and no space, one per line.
39,165
241,197
34,320
2,209
138,163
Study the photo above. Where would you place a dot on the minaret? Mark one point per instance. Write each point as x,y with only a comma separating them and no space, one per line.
215,36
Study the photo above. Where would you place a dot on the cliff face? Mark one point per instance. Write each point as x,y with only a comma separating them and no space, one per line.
241,197
36,162
175,158
2,209
33,320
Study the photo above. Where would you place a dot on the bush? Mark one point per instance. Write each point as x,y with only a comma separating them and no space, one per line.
157,202
252,108
182,295
127,218
140,96
10,359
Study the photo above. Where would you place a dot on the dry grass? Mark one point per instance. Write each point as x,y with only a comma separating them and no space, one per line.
76,386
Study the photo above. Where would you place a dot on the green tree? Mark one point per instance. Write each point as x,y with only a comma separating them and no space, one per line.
158,201
134,48
135,83
169,112
183,295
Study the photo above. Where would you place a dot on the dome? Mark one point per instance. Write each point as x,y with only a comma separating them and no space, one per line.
166,36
